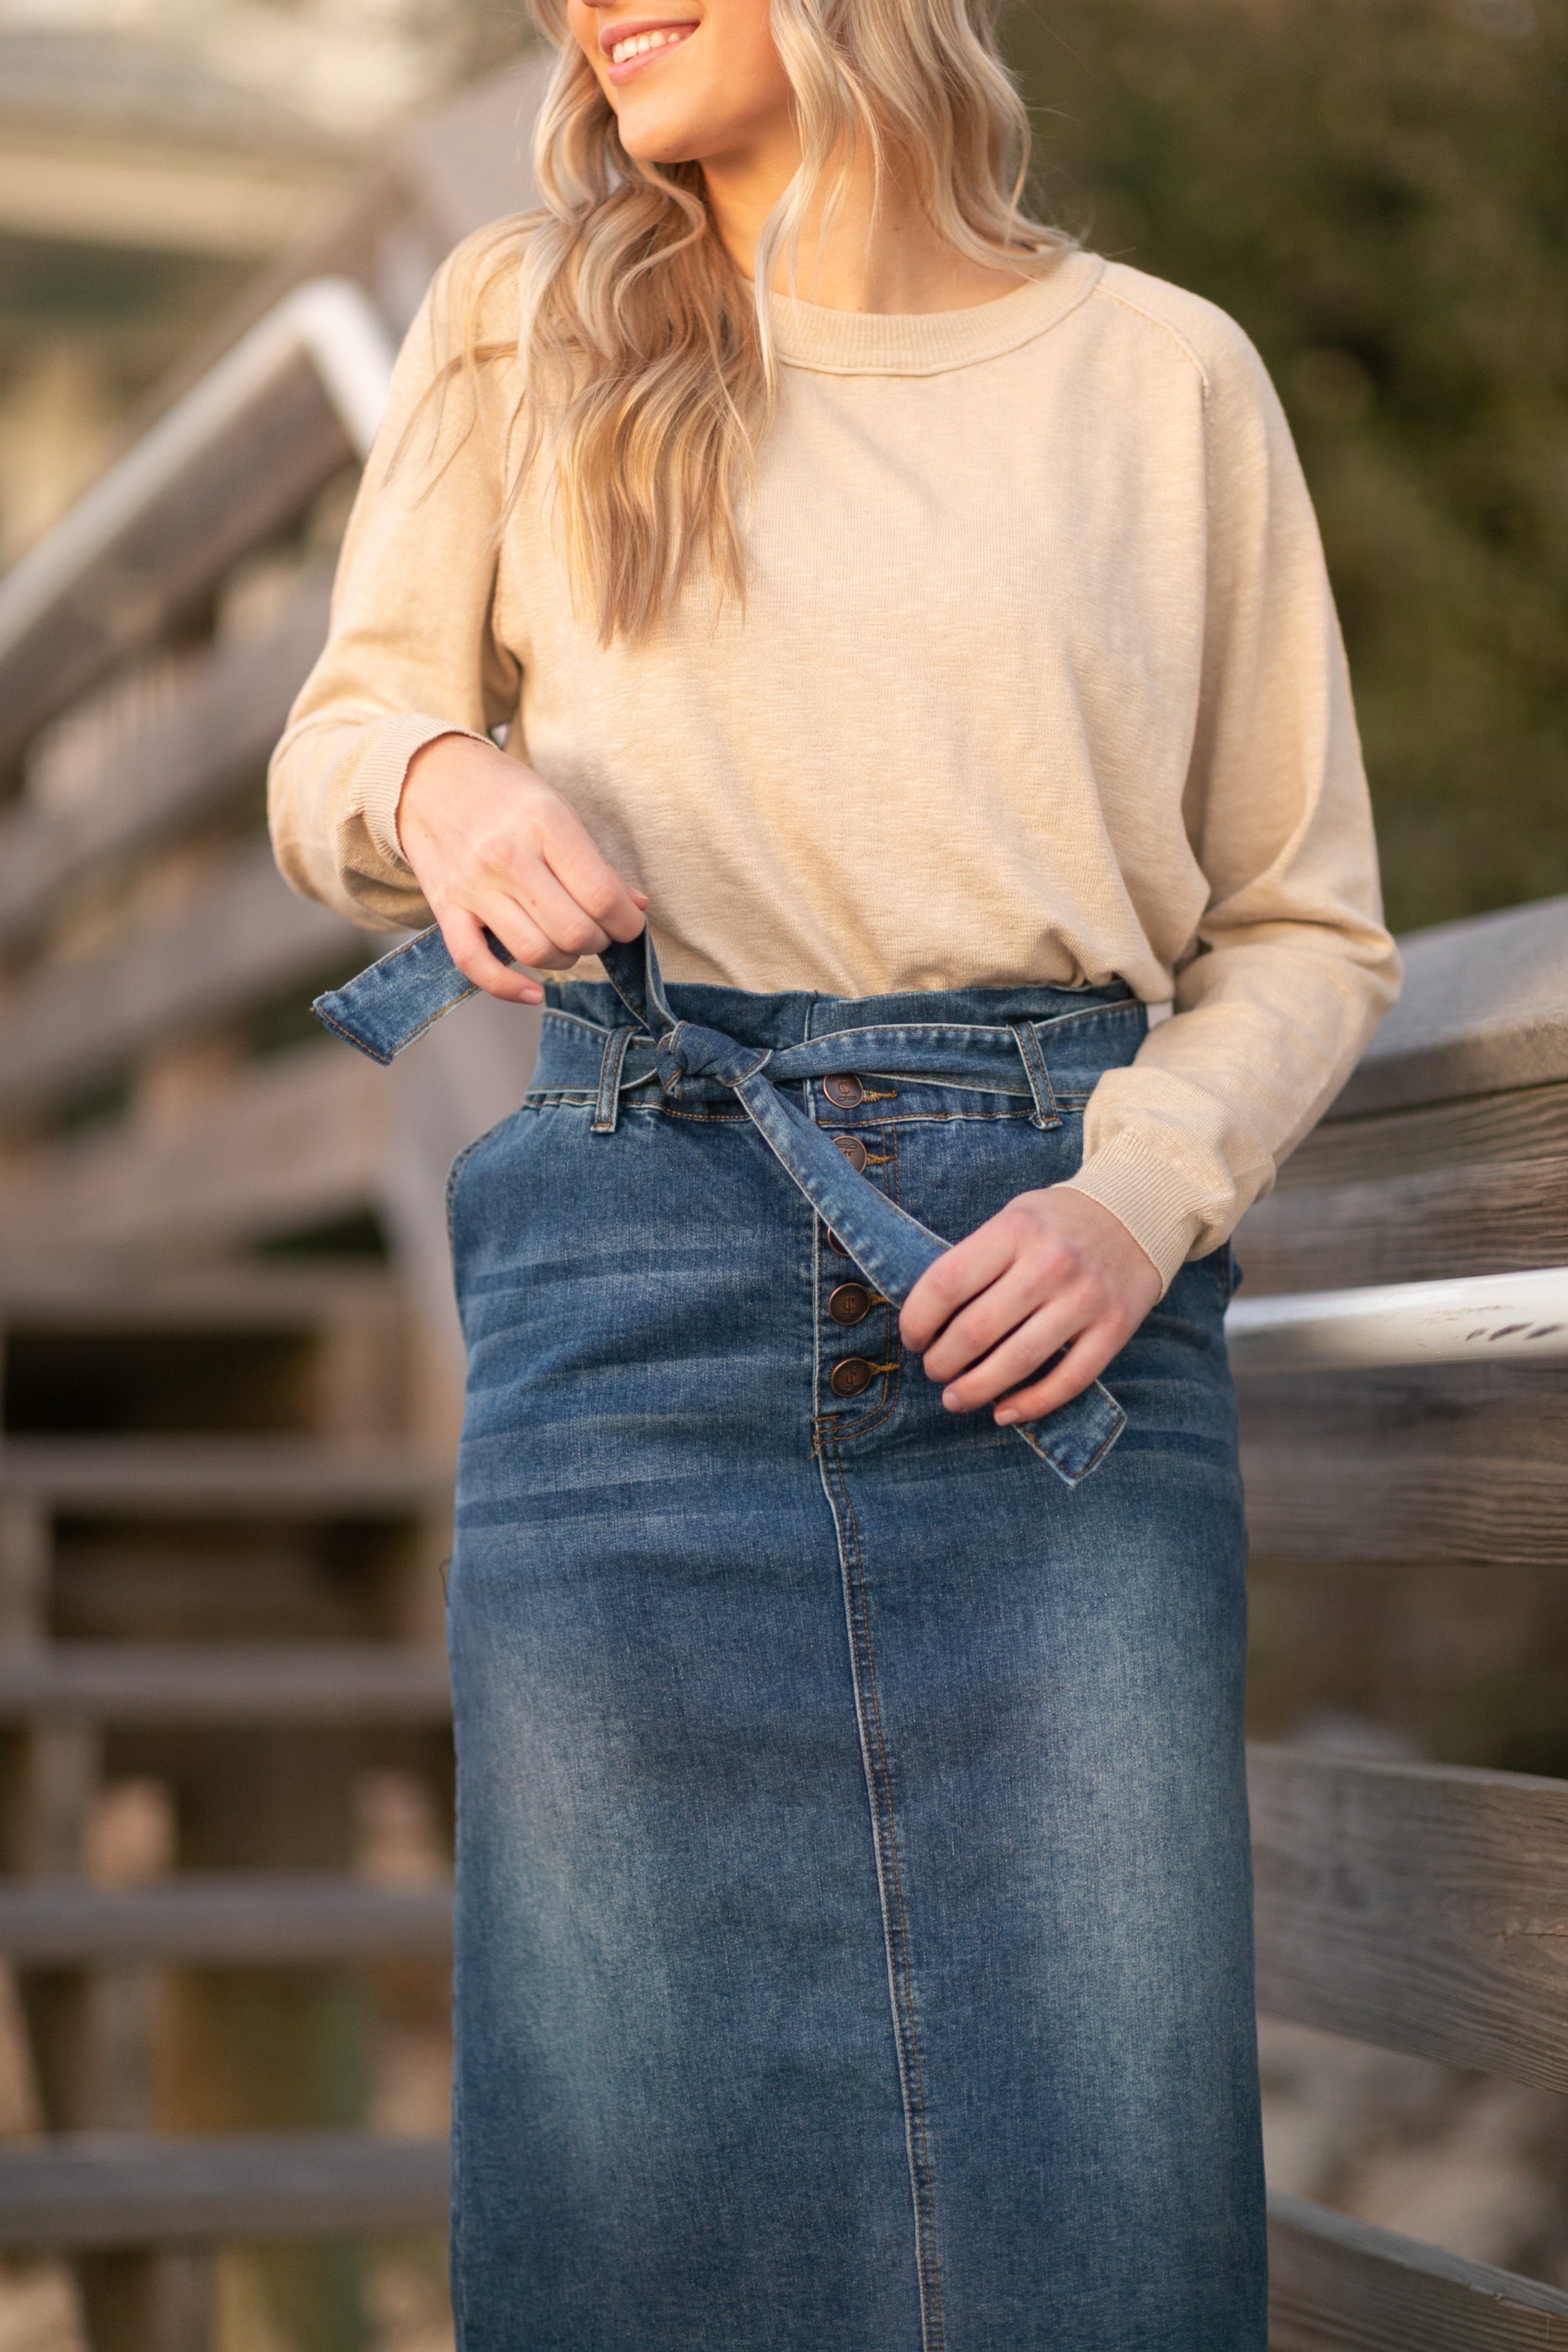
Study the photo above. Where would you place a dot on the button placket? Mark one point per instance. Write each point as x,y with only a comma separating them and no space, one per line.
848,1301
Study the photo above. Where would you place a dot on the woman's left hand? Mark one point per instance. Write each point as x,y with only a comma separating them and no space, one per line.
1051,1270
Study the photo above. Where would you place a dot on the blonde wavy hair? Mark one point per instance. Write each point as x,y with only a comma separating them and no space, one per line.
647,361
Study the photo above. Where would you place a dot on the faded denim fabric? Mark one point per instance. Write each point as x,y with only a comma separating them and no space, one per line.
853,1932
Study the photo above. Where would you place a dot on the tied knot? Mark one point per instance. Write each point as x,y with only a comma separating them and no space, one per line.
689,1050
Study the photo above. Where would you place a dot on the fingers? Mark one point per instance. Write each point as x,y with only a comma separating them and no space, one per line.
489,837
1083,1362
579,869
1009,1301
956,1277
1031,1309
1014,1359
470,951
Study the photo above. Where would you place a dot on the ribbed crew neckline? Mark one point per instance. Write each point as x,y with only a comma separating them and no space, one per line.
911,342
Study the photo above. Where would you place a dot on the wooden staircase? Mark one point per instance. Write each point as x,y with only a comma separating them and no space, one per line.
245,1620
228,1374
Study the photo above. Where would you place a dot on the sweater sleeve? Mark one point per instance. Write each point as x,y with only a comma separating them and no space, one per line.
1291,968
410,653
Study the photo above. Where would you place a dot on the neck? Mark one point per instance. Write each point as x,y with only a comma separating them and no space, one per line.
878,252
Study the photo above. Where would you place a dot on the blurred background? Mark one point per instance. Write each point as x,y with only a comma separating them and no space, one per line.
229,1378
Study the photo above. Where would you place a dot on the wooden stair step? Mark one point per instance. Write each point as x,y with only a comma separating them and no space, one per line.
264,1297
261,1682
201,1477
229,1920
245,940
99,2189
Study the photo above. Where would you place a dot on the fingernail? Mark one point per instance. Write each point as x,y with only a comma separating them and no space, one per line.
1005,1419
950,1399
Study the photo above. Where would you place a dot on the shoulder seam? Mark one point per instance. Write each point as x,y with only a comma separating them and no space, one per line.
1139,311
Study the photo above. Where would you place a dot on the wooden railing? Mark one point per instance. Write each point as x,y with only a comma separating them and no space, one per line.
1423,1907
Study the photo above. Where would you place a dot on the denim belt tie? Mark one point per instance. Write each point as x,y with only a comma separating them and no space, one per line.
391,1003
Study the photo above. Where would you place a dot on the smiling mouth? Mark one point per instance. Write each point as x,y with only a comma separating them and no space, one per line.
633,46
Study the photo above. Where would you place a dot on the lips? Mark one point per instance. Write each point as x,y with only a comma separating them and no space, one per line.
637,42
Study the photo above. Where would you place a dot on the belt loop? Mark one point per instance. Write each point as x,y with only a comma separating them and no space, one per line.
607,1109
1046,1114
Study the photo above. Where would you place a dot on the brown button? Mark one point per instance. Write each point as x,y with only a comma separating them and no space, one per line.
850,1303
853,1377
845,1092
836,1245
852,1149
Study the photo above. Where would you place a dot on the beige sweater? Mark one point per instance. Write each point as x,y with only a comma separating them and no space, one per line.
1038,678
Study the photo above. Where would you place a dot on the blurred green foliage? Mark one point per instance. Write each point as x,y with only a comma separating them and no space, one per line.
1378,190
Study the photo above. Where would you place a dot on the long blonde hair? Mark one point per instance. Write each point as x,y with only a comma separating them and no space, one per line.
647,363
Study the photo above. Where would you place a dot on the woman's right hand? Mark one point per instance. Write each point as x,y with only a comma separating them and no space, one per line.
493,848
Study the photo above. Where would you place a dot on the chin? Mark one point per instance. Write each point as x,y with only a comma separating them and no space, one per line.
658,142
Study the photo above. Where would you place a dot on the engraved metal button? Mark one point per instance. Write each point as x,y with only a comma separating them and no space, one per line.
852,1149
834,1243
853,1377
850,1303
845,1092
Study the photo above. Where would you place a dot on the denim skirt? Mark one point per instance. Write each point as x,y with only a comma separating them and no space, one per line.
854,1914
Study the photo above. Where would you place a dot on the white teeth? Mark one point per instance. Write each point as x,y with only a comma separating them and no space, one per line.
639,44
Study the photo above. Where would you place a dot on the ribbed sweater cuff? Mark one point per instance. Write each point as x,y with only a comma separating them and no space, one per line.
382,767
1143,1189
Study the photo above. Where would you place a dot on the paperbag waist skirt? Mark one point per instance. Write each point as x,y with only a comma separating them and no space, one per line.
854,1917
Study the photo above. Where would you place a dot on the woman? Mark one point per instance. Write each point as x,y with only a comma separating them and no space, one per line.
925,623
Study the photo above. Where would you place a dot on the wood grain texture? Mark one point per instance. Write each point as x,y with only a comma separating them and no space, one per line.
1339,2286
1501,1218
1421,1907
1454,1462
275,1920
292,1142
130,2191
242,490
1484,1007
258,1683
181,765
1526,1123
1425,1507
244,938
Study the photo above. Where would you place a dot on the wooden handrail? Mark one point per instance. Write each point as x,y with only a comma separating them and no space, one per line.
232,462
1480,1319
1484,1007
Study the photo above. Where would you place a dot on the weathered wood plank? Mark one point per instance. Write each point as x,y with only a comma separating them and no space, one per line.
1502,1218
1426,1506
1422,1907
1525,1123
210,1921
107,2189
1485,1006
292,1142
206,1477
1457,1461
243,938
193,1683
182,764
239,491
1340,2286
